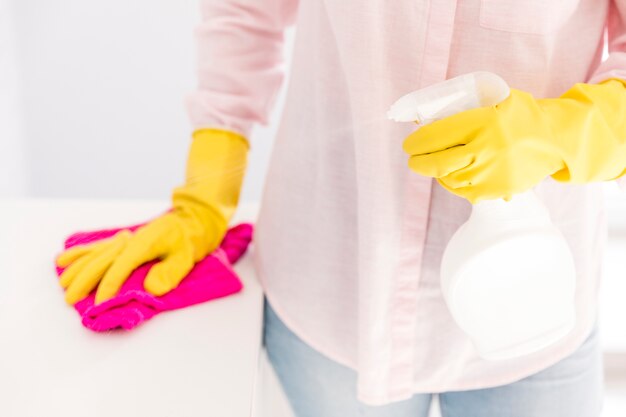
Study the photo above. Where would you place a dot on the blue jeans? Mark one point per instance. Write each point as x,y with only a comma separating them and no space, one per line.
317,386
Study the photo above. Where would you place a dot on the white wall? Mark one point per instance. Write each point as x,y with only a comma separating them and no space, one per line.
12,170
103,90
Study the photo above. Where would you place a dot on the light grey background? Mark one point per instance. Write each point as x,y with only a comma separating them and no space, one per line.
92,99
12,172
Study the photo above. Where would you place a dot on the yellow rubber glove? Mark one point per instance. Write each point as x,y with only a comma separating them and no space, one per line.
195,226
496,152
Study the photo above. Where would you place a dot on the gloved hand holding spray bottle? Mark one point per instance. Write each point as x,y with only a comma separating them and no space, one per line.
507,274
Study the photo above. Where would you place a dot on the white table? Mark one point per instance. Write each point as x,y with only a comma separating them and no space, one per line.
199,361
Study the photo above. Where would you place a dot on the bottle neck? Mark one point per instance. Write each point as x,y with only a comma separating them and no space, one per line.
521,206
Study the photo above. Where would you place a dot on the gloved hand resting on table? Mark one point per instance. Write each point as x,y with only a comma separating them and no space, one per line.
498,151
195,226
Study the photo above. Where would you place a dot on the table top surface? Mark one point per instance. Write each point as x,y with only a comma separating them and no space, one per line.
198,361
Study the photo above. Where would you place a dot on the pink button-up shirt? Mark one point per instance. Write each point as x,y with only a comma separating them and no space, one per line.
349,240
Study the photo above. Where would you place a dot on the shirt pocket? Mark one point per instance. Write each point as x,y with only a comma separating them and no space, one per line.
538,17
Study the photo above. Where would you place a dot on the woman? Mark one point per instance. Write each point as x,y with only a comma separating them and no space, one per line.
348,239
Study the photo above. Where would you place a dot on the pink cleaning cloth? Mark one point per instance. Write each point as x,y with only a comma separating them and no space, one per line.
212,277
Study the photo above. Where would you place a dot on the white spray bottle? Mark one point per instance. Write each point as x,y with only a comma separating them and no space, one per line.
507,274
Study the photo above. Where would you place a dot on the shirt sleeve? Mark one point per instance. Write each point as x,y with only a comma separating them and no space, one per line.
239,62
615,64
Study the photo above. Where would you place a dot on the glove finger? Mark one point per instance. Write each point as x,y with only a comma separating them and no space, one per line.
472,191
72,254
78,251
469,193
92,268
75,252
448,188
465,182
440,164
75,268
484,181
167,274
482,172
147,244
455,130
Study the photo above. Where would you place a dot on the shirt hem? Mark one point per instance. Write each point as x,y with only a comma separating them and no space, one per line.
401,395
284,317
510,378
